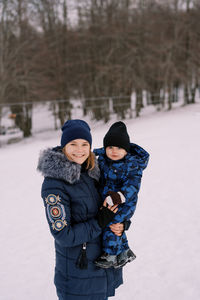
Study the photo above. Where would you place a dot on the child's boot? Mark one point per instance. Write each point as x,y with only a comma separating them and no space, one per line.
124,257
106,261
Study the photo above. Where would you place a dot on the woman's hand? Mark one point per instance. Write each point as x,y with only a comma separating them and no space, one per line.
117,228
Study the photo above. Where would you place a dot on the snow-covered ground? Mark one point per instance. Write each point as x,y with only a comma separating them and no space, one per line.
165,229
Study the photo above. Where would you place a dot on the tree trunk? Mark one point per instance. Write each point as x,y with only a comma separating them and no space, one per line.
186,95
139,102
23,118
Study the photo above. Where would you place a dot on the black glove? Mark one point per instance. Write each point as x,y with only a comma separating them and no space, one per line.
105,216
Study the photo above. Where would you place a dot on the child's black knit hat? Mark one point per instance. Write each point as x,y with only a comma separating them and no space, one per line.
117,136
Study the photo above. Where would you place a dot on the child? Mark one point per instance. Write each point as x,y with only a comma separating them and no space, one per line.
121,164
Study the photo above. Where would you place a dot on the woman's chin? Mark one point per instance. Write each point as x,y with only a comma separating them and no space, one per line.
80,160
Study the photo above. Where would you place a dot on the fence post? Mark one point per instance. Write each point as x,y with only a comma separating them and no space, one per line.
110,105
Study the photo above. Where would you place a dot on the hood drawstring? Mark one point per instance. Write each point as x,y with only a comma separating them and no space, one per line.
82,261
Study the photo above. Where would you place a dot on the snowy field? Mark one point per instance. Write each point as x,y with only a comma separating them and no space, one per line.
165,232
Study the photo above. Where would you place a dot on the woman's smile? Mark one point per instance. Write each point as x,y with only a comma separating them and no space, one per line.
77,151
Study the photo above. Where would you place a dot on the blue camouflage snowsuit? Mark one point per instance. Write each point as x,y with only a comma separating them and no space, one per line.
125,176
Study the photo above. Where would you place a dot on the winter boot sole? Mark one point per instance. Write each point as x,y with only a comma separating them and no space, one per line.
104,266
130,259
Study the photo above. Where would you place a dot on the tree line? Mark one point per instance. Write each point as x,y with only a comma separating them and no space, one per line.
112,49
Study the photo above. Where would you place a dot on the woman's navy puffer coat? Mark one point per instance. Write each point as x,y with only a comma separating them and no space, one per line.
71,203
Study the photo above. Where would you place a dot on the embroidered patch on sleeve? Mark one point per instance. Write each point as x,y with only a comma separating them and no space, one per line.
52,199
59,225
56,212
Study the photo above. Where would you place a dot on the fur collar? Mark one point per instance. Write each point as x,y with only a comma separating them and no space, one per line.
53,163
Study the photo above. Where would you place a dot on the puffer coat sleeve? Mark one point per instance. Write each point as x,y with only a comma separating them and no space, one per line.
73,233
130,189
136,162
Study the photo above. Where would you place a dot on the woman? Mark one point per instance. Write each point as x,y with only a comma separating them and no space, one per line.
72,205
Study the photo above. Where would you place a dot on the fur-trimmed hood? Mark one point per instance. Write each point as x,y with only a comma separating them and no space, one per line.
53,163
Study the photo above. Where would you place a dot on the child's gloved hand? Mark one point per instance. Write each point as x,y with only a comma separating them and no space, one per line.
105,216
114,198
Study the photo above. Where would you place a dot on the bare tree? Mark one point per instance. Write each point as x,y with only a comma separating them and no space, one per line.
115,48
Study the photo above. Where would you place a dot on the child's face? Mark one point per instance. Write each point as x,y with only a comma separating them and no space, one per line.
115,153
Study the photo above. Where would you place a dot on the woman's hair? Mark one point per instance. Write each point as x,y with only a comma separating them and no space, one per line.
90,161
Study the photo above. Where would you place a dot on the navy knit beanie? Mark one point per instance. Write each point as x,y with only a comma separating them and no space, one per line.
75,129
117,136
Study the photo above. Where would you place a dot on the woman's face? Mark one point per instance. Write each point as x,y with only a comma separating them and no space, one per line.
77,151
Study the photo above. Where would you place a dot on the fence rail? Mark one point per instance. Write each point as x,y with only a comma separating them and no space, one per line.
49,115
